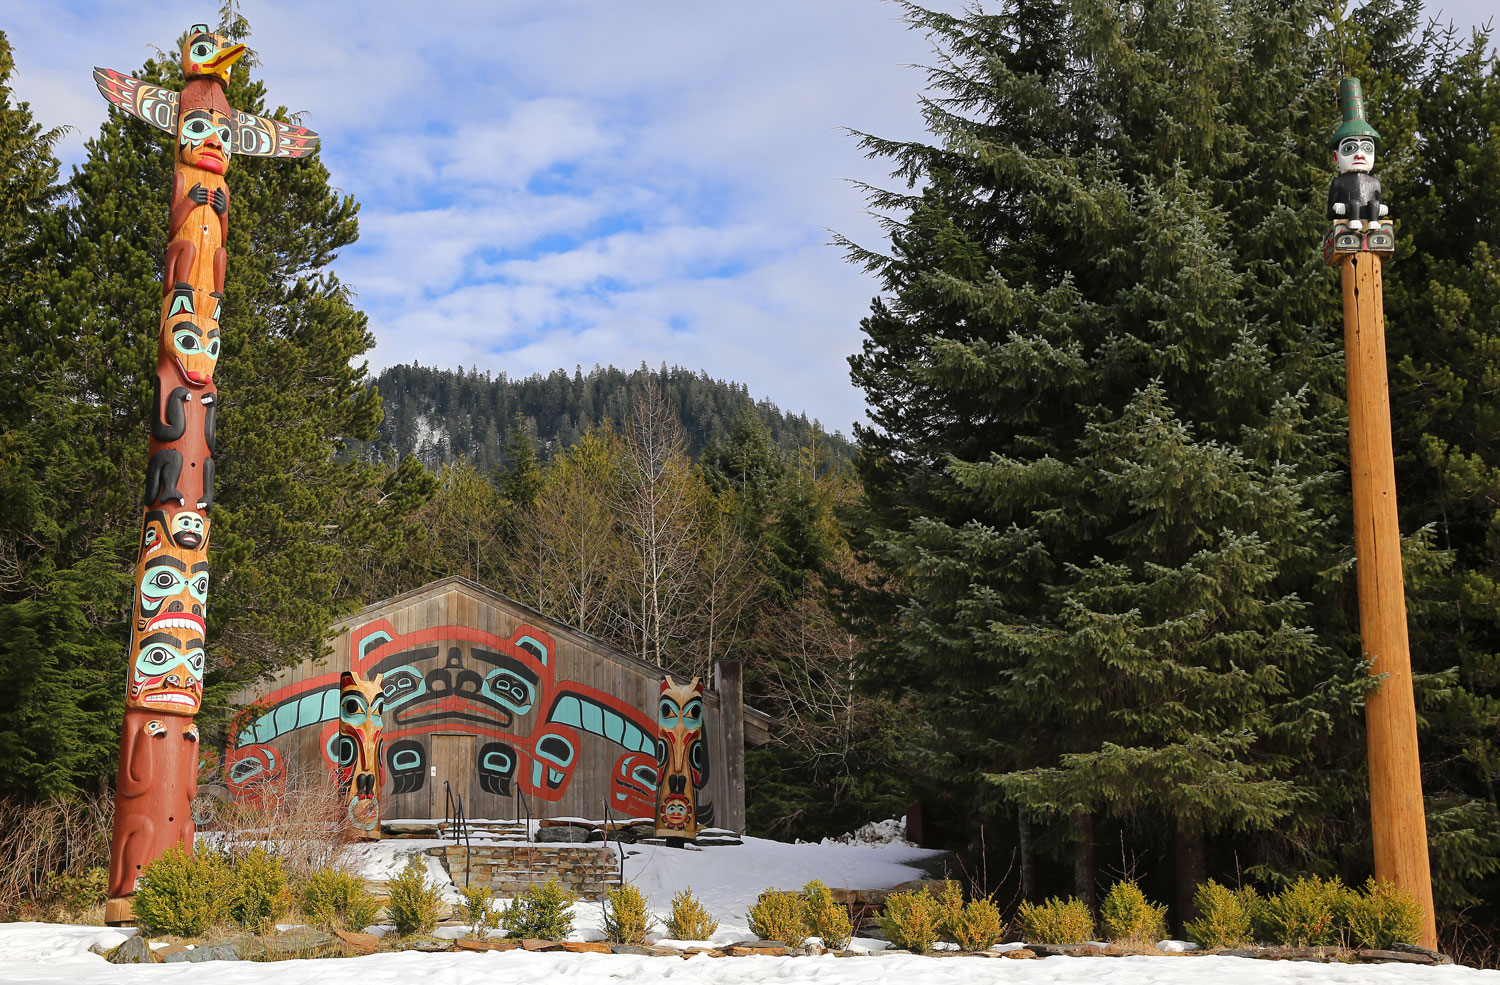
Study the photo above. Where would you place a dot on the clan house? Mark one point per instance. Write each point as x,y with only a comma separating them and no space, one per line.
453,690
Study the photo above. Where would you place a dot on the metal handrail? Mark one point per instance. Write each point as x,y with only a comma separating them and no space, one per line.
457,823
610,825
525,805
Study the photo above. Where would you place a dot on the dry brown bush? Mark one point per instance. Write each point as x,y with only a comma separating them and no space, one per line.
299,817
51,854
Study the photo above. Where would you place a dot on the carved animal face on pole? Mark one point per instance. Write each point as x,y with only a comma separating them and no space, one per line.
207,54
361,721
680,757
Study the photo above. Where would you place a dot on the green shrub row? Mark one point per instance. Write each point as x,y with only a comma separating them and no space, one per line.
1310,911
185,895
792,917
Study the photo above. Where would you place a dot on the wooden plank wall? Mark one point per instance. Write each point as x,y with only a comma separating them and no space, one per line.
299,730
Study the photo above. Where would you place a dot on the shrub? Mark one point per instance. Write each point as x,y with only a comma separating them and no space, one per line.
1128,916
777,916
1382,915
184,894
477,910
260,890
625,918
911,920
690,921
338,900
973,926
1306,912
544,912
74,894
411,903
1056,921
1224,919
825,917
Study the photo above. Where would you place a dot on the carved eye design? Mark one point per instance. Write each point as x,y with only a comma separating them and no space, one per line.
213,348
196,129
164,580
195,662
199,587
201,50
186,342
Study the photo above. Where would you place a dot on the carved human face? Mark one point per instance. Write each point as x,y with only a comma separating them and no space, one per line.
171,581
167,674
1355,154
679,754
203,140
361,719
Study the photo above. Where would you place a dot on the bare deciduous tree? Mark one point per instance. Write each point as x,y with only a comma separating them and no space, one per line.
658,509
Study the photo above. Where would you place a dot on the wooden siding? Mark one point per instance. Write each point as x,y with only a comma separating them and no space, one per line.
451,636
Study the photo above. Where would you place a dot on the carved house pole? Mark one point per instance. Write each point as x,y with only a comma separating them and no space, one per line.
159,751
1359,242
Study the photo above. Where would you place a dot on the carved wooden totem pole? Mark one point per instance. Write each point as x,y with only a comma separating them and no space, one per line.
361,718
159,743
681,760
1359,242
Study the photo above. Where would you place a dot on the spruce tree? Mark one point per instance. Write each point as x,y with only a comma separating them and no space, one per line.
1105,404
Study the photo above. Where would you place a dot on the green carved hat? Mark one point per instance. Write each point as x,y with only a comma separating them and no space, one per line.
1352,105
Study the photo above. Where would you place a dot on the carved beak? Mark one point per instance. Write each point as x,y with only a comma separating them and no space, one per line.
220,63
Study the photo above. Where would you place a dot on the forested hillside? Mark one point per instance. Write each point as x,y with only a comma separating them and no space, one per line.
440,414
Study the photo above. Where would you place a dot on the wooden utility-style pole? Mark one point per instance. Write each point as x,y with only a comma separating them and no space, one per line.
1358,243
1398,821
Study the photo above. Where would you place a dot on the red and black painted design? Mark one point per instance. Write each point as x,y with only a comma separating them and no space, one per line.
529,725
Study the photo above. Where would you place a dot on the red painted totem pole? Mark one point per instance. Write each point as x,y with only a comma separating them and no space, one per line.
159,744
361,720
681,764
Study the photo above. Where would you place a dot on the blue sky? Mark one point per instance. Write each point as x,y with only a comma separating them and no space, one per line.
551,183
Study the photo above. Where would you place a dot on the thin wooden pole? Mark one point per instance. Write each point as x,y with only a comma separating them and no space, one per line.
1398,820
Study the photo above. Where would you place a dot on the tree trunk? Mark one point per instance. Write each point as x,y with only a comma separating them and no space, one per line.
1192,871
1083,857
1028,858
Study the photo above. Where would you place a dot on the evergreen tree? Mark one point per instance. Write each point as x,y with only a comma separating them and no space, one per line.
1106,414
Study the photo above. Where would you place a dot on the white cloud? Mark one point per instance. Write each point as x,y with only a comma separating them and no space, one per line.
547,183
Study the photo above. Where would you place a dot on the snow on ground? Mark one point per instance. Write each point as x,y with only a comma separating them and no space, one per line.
727,879
48,953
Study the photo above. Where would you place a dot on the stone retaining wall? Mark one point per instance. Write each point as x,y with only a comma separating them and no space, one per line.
584,870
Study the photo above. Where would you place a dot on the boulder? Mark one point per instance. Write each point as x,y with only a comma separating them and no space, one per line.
300,942
172,953
1018,952
533,944
136,950
563,834
213,952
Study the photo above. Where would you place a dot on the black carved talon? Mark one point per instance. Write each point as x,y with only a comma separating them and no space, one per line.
221,201
198,194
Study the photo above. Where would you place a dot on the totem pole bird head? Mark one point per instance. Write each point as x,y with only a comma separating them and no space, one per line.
207,55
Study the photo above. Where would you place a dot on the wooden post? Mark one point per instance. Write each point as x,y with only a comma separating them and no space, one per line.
730,680
1398,820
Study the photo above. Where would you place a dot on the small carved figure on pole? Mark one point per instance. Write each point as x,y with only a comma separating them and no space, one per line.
1354,205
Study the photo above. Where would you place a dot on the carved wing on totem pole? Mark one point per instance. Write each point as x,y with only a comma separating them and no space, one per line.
254,136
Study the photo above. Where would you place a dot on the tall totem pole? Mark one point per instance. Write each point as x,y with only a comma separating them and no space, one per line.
159,742
1358,242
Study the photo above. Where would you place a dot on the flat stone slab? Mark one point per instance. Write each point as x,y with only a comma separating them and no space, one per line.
469,944
359,943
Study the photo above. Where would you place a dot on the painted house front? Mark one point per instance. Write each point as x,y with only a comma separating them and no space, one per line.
491,700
